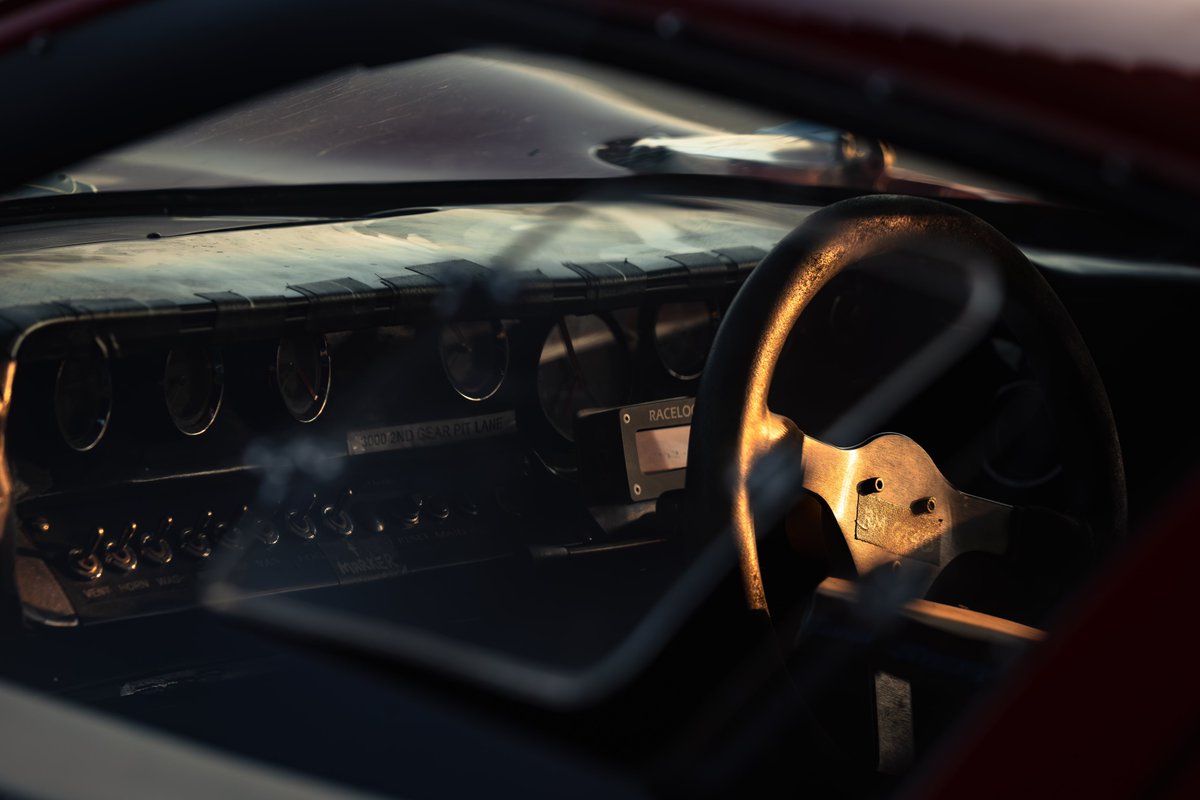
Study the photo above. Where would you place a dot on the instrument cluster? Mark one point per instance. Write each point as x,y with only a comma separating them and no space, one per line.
568,364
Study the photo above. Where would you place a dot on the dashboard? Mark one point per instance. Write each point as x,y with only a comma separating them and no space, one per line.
356,428
214,406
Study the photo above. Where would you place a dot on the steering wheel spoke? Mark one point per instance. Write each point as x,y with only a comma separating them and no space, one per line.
888,497
893,504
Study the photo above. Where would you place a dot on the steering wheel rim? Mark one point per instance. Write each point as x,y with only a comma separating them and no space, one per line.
733,428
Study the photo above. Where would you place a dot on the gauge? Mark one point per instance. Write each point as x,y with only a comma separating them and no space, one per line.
683,334
475,357
193,384
583,364
302,371
83,394
1022,449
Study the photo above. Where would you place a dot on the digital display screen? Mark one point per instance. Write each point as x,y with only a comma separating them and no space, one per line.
662,449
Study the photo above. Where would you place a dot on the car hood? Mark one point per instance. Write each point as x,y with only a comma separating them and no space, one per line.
489,117
448,117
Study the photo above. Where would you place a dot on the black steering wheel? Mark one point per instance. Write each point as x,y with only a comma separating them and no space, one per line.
889,499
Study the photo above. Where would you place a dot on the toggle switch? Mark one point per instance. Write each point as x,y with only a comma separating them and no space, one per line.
120,554
437,508
232,534
197,540
299,520
337,515
408,510
85,562
265,531
156,547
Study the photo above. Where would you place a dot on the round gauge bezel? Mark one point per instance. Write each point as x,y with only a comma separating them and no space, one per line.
322,383
619,341
499,333
1000,475
78,445
714,319
205,418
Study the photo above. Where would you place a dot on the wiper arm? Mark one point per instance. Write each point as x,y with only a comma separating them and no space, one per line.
49,186
789,153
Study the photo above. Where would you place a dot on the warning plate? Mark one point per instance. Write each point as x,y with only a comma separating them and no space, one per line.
429,434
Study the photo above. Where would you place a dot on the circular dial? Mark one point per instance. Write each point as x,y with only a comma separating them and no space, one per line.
583,365
475,357
683,335
193,384
302,371
1021,448
83,394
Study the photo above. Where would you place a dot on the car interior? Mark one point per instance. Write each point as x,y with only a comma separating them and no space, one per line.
643,469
